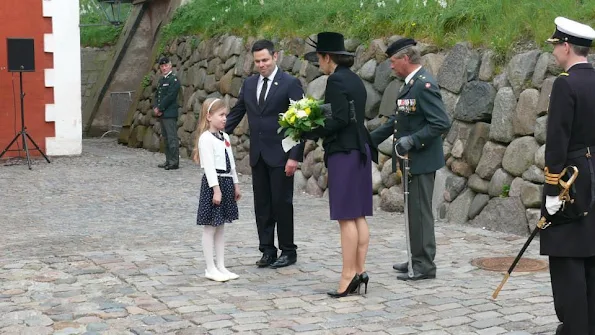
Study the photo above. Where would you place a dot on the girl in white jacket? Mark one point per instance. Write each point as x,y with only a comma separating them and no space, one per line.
219,191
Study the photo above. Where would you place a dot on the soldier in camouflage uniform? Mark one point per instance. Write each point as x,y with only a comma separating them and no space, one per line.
165,107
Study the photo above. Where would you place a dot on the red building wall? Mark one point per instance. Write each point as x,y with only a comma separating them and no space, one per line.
24,19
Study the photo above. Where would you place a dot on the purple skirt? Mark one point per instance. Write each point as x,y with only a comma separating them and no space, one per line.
350,185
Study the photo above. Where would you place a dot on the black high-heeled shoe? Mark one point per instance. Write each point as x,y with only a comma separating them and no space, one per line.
364,279
354,284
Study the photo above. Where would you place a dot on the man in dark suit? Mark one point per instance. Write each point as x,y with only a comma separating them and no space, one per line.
570,239
419,121
263,97
165,107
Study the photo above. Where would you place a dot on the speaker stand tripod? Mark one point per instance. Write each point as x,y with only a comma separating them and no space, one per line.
23,133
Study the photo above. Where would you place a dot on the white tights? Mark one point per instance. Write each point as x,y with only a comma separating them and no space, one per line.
214,236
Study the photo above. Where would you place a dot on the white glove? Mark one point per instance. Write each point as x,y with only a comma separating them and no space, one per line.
552,204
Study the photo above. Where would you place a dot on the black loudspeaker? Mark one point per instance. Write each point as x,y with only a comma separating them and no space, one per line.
21,54
21,59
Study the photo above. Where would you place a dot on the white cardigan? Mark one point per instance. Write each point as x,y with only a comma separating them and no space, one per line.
212,157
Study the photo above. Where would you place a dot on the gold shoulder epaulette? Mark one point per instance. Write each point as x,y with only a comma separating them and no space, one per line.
551,178
564,74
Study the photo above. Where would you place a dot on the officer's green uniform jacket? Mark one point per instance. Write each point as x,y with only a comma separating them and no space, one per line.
420,112
166,96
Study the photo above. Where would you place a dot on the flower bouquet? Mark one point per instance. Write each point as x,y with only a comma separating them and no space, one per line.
303,115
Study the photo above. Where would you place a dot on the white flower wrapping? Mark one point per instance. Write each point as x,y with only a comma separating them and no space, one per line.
288,143
302,116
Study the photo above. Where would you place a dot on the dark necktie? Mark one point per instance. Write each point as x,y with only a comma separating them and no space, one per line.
263,92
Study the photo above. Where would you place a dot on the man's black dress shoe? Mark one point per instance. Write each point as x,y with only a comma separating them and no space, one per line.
266,260
172,167
284,261
416,276
401,267
162,165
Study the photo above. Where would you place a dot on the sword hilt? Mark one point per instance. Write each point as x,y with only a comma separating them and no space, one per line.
403,156
564,194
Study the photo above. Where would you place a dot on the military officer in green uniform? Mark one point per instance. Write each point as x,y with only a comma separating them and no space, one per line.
417,125
165,107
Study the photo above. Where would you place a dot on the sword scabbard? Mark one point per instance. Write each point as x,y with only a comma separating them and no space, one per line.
499,288
541,224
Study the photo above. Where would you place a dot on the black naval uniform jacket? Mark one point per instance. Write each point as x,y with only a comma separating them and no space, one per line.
420,113
570,140
166,96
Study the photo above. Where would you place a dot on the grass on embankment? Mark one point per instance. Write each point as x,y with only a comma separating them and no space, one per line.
501,25
98,36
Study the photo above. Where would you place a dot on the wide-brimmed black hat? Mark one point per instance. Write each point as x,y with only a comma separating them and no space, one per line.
399,45
329,43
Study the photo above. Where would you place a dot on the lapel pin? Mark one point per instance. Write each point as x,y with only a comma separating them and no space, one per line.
276,83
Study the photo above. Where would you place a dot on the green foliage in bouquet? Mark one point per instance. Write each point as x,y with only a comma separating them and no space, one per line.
303,115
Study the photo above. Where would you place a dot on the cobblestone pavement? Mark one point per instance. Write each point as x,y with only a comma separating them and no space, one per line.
106,243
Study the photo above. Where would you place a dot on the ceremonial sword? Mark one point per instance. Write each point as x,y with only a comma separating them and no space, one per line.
405,178
541,224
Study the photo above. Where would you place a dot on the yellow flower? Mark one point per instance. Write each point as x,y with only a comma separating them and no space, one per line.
289,114
308,111
291,119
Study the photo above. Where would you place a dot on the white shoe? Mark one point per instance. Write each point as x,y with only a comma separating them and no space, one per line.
216,276
228,273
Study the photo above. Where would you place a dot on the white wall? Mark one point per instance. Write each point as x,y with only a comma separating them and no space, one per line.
65,77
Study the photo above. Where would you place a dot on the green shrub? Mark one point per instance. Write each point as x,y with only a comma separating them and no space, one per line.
98,35
146,81
505,191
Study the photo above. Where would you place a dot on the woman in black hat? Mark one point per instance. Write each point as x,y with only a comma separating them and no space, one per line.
348,153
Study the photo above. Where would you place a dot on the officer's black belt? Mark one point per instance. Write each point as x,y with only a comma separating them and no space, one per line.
588,153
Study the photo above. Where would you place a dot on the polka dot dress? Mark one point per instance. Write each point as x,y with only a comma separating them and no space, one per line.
227,210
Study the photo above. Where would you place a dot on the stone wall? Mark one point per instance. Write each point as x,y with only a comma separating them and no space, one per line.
494,151
93,61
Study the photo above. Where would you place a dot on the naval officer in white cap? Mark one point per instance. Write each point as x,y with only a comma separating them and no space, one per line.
570,240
